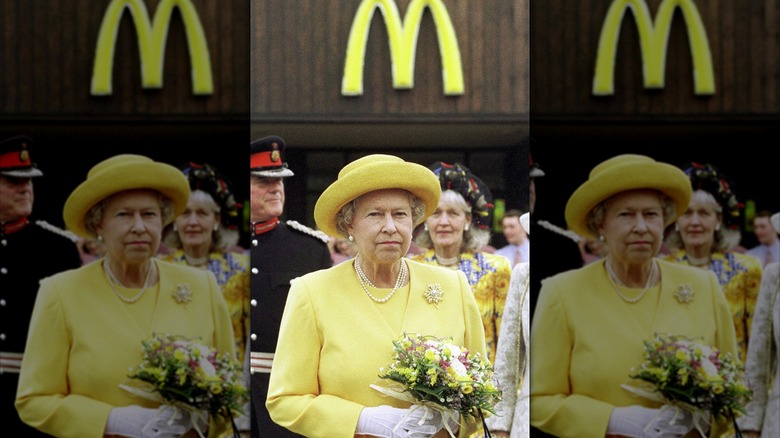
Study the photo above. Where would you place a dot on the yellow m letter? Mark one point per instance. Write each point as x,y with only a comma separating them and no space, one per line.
151,44
403,44
653,41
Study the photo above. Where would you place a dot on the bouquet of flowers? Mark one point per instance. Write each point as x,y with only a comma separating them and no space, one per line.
696,377
189,375
436,374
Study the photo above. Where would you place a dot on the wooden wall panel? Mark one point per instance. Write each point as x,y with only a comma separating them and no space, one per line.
48,48
299,49
743,37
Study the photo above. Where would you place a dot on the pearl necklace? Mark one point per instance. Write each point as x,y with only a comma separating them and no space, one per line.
363,278
614,280
696,261
112,279
197,261
447,261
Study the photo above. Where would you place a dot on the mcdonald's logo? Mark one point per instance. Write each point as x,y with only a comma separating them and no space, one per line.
151,44
653,43
402,38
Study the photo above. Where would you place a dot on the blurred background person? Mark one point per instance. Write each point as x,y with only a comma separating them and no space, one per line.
88,324
518,244
511,366
341,249
591,322
452,235
280,251
768,248
592,250
30,250
202,237
340,323
761,369
704,236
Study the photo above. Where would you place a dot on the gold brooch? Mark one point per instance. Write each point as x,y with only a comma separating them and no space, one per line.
433,294
684,294
182,294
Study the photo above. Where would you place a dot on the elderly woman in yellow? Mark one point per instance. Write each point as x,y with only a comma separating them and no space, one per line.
455,231
590,323
88,324
703,237
339,323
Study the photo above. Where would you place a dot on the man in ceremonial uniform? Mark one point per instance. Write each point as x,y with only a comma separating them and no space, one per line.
280,251
29,251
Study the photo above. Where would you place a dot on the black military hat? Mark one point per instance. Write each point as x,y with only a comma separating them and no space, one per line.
15,158
266,158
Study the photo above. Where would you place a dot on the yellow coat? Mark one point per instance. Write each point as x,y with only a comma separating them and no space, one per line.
586,339
334,339
83,340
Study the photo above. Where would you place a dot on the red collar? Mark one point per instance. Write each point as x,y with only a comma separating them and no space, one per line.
264,227
13,226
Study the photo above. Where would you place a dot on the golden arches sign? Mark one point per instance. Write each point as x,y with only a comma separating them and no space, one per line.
152,36
402,36
653,43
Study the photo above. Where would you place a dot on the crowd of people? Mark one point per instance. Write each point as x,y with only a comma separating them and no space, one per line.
311,314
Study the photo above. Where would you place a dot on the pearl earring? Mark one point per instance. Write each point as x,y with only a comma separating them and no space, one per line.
351,239
601,238
717,227
100,238
175,228
216,227
466,228
676,227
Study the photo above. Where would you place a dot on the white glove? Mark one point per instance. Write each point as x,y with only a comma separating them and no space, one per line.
137,422
641,422
380,421
452,420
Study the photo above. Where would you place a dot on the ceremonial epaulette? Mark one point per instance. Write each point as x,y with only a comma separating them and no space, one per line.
56,230
306,230
558,230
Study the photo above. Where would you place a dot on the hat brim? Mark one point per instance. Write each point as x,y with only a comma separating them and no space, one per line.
622,177
273,173
412,177
31,172
120,177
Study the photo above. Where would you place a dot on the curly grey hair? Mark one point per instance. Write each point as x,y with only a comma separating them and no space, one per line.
473,238
221,239
595,218
95,214
724,238
347,213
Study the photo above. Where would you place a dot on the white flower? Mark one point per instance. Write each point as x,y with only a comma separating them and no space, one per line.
459,369
709,367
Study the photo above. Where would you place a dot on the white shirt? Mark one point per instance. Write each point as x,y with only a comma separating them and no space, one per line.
510,251
762,251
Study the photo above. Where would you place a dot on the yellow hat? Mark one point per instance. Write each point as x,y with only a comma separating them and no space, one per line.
370,173
620,174
120,173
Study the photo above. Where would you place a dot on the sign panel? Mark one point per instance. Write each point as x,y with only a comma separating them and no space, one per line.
653,43
152,36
